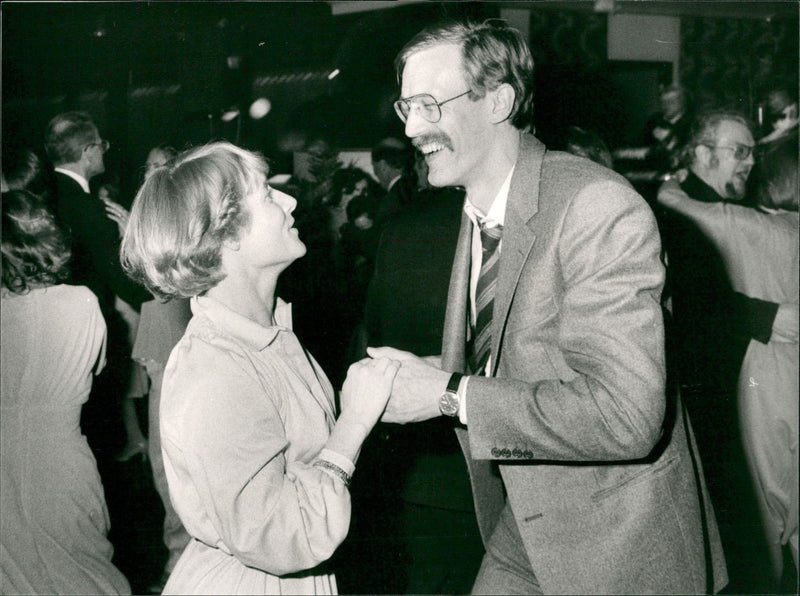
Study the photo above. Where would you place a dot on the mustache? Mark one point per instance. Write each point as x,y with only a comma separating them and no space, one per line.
440,138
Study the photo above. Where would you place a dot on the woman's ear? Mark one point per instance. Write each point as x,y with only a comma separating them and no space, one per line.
502,103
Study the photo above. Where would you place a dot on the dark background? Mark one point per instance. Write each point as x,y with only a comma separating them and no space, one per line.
152,72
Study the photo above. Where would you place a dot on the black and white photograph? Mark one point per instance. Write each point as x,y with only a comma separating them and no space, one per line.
399,297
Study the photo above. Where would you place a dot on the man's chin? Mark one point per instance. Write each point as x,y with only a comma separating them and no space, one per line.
735,192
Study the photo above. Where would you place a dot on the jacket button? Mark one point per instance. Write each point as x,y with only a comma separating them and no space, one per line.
517,453
506,453
528,454
496,452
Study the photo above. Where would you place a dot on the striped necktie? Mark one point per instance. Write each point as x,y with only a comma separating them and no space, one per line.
484,296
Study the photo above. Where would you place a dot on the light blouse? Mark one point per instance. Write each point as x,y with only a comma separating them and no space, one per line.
245,413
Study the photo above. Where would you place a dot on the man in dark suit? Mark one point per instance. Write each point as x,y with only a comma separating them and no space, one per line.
391,162
74,147
76,150
419,467
553,371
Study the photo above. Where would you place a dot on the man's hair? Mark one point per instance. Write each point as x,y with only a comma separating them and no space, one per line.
184,212
492,52
704,131
35,251
67,135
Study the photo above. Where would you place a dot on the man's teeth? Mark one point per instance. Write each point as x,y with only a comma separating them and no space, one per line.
431,148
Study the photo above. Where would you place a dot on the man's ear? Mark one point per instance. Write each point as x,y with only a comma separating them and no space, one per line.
702,155
502,103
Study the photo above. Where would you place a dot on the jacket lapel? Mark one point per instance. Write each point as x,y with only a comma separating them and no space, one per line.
518,233
456,321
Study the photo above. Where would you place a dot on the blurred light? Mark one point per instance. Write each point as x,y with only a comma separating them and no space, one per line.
234,61
334,74
230,115
260,108
607,6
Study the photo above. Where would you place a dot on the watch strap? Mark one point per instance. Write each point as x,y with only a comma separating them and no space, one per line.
454,382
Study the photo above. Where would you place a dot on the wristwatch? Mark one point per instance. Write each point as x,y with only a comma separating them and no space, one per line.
449,402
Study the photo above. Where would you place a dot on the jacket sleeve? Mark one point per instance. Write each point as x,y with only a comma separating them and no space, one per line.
591,388
726,225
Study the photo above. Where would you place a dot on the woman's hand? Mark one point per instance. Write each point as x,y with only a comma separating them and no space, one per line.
117,213
366,390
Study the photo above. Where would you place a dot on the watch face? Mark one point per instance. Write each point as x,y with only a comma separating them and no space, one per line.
448,404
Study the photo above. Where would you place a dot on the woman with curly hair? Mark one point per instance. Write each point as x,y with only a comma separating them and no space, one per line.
54,515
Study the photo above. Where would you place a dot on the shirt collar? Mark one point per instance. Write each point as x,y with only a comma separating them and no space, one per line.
497,212
76,177
699,190
239,326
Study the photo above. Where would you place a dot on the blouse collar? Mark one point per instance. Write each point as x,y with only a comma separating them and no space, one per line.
239,326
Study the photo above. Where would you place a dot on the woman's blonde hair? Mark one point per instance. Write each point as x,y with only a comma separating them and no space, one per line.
182,215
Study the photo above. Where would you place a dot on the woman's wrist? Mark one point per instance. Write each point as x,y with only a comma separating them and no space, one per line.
347,437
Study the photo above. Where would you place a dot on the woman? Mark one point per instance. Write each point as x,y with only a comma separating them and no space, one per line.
54,515
347,184
760,249
256,462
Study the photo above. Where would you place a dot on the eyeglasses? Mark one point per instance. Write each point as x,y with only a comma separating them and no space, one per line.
425,105
103,144
740,152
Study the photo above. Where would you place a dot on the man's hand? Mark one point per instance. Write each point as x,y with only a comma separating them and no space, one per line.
416,389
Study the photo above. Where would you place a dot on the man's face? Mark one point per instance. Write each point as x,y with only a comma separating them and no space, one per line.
93,154
455,146
724,172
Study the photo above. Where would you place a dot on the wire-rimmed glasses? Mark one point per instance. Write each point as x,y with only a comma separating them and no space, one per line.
740,152
425,105
103,144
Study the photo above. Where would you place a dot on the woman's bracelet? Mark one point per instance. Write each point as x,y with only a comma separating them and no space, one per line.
333,470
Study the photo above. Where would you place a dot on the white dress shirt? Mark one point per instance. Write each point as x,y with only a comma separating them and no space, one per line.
495,216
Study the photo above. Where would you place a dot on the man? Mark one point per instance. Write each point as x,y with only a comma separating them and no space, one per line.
74,146
391,159
76,150
597,490
668,130
420,466
713,324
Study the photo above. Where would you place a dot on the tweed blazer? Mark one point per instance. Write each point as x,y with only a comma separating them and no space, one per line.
599,467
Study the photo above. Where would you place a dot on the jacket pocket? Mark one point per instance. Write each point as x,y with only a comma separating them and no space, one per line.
618,478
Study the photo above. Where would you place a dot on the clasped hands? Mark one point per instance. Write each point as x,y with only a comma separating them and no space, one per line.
416,388
393,386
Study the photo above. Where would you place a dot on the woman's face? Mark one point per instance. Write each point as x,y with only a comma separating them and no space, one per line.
270,239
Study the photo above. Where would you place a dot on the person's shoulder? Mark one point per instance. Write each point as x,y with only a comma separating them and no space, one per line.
78,304
80,294
580,169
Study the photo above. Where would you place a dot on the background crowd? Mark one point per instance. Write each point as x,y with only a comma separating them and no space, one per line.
380,246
